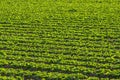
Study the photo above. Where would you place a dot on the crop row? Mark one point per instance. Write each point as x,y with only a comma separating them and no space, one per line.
59,68
61,61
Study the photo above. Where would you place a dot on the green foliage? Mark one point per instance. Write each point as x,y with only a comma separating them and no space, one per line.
2,53
59,40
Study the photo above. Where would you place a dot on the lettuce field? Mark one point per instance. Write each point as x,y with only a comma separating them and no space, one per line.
59,39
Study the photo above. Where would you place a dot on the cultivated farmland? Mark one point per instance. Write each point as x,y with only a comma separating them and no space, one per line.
59,39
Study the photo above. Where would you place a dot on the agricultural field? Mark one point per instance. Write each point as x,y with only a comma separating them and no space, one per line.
59,39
